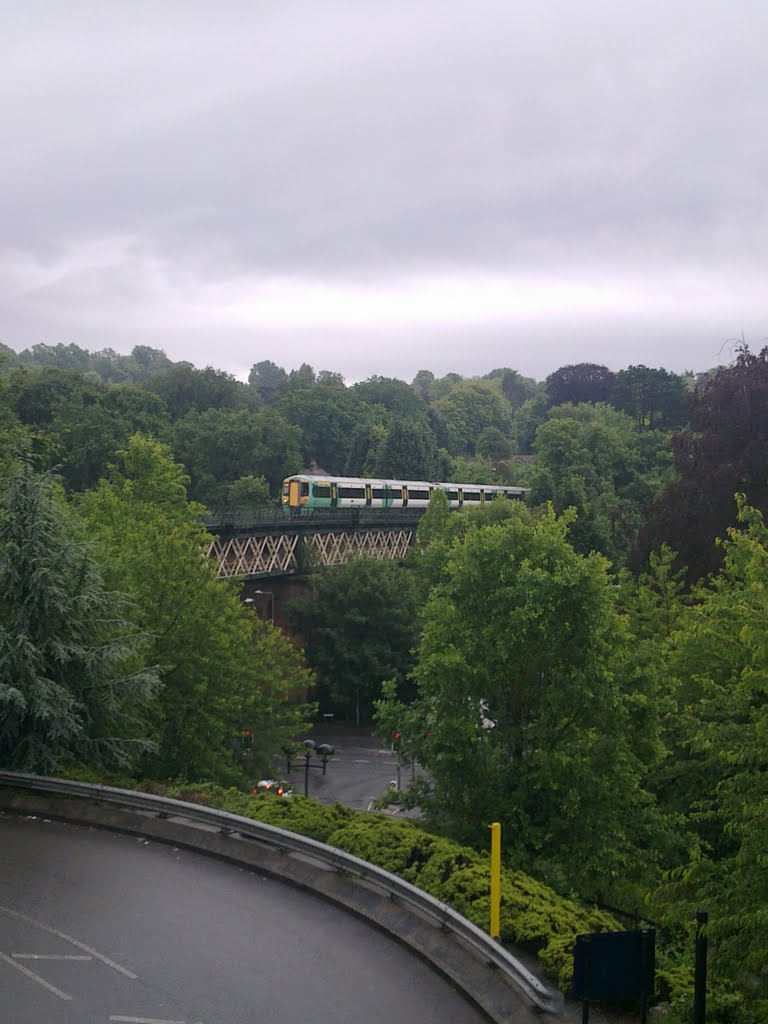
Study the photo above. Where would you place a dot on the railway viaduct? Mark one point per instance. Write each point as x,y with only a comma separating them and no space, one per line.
272,552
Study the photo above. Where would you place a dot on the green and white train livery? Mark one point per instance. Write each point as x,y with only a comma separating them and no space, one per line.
306,492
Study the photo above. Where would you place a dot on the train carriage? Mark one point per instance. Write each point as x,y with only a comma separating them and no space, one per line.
307,491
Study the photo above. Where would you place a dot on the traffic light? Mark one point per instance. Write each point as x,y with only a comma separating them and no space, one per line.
247,738
396,741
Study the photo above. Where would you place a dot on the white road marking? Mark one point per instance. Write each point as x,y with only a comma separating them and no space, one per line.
47,956
70,940
148,1020
358,761
35,977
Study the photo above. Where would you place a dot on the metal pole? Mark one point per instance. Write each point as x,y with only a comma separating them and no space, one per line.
587,980
495,929
700,975
306,774
644,937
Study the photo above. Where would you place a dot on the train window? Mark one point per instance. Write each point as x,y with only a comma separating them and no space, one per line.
381,492
471,495
305,489
453,495
351,492
322,490
418,495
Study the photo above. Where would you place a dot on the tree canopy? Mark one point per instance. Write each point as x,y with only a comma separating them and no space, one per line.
518,715
222,669
360,627
75,681
725,451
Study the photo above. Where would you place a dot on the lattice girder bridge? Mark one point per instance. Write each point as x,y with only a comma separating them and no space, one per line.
272,543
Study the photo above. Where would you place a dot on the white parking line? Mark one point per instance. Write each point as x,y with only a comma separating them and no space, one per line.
70,940
146,1020
35,977
47,956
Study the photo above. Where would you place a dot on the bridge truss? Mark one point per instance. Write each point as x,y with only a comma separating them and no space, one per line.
277,545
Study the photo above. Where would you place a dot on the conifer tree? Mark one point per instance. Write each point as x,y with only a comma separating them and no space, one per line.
72,678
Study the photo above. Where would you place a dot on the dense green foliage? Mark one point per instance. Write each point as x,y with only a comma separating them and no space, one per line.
593,459
359,626
717,656
532,914
73,679
590,667
724,452
516,682
223,670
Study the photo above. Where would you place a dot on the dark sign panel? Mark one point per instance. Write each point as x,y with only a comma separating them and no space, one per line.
612,966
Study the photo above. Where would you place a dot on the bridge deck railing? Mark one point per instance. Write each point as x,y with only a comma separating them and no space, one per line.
277,519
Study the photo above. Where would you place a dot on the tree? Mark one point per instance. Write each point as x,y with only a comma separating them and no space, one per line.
93,421
365,449
84,421
64,357
422,383
527,420
32,394
219,447
718,664
395,396
592,459
73,680
583,382
329,379
654,398
518,716
724,452
360,627
409,452
248,492
516,388
299,380
185,389
266,378
467,410
222,668
492,444
327,417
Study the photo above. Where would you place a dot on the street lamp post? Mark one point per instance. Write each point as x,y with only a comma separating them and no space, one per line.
270,594
324,750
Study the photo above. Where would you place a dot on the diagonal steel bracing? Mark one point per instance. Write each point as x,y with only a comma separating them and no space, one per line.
293,551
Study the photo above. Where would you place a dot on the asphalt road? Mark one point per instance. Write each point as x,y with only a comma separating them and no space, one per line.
98,928
360,771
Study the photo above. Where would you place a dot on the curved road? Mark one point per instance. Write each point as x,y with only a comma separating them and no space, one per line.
100,928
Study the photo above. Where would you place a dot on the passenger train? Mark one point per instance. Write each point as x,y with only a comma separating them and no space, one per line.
306,492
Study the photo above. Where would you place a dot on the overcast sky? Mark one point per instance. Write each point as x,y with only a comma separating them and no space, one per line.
380,186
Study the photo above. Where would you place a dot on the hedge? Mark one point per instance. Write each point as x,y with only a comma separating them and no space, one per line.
532,914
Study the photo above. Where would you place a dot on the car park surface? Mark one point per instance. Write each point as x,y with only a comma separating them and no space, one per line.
97,926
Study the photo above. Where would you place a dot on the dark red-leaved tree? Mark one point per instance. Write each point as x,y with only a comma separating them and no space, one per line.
582,382
725,451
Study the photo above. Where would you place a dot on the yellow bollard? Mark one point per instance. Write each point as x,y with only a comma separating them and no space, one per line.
495,879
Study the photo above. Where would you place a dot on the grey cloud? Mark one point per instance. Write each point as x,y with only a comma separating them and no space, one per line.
357,139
